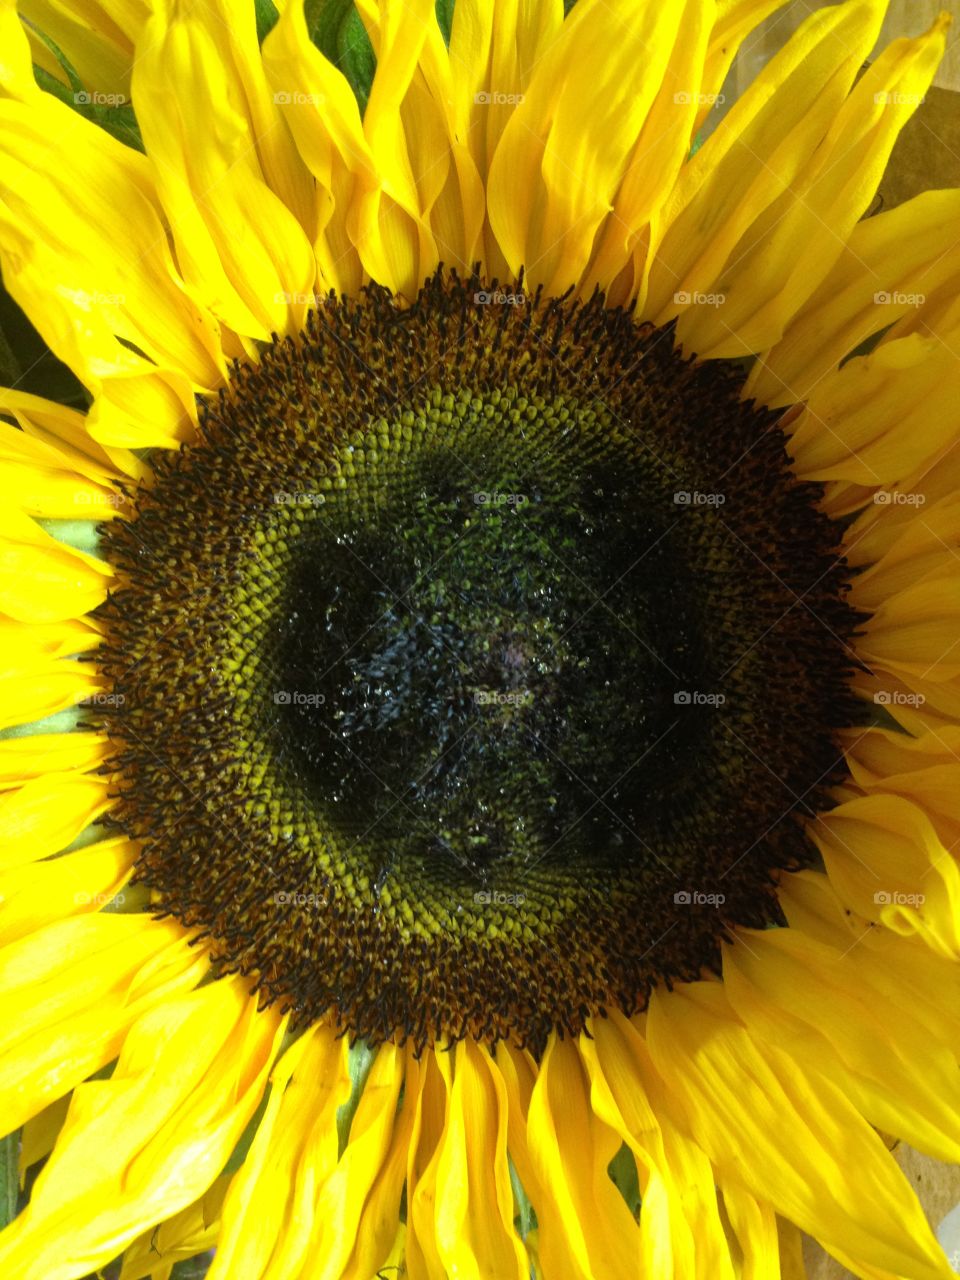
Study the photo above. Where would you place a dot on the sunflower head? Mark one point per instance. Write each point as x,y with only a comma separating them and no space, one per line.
499,819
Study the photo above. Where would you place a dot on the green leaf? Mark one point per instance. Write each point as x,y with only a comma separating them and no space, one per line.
623,1171
9,1177
525,1218
267,17
107,111
192,1268
445,18
9,364
356,57
337,31
360,1061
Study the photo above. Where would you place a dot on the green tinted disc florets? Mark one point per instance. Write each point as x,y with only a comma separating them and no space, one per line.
479,664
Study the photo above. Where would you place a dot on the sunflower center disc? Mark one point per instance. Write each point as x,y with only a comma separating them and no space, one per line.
478,665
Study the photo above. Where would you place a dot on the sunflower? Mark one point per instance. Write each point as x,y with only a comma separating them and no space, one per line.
481,768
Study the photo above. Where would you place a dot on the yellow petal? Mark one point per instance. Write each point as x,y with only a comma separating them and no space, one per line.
242,251
888,262
789,1135
884,858
562,155
760,150
86,254
655,158
142,1145
48,813
475,1234
925,770
191,1231
681,1230
343,1226
586,1229
377,1229
70,993
902,967
98,48
917,631
815,1002
919,551
33,691
322,114
58,436
754,1224
42,580
269,1211
40,1133
875,420
386,221
780,261
422,1258
24,758
155,412
39,893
